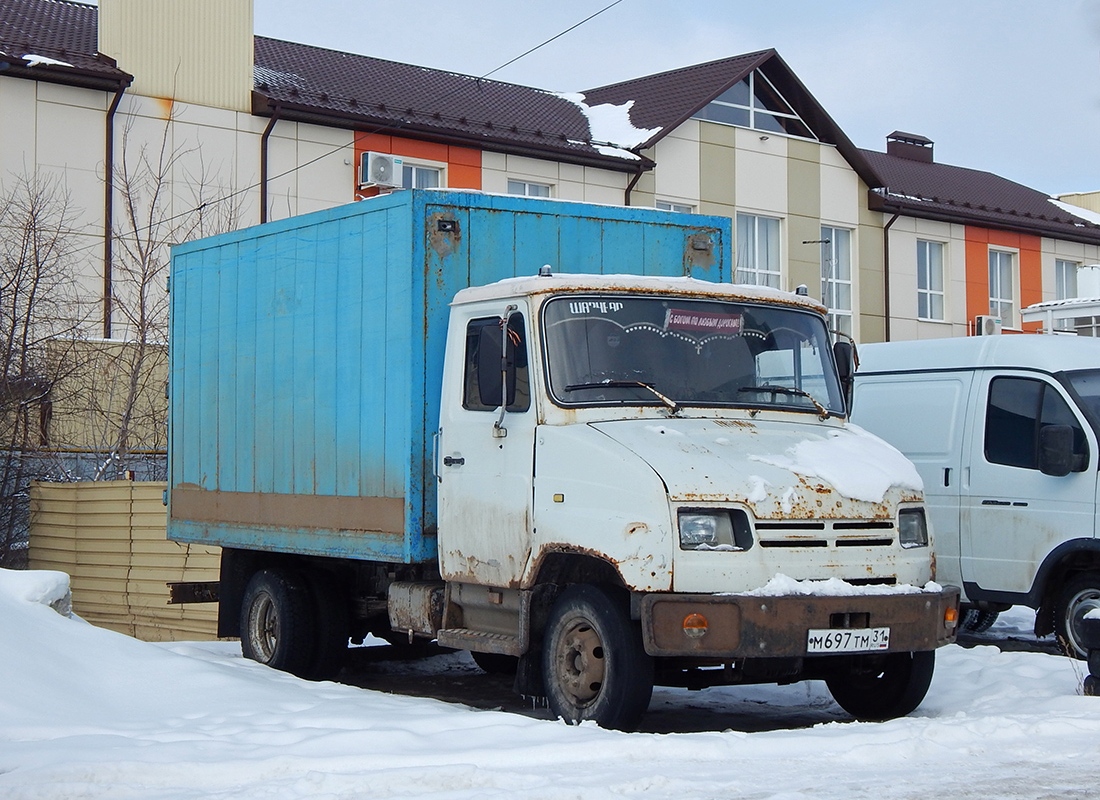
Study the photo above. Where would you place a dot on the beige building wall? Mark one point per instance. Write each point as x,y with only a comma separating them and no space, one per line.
1087,200
110,539
192,51
566,181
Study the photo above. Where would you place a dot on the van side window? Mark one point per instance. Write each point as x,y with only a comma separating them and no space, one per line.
481,386
1017,410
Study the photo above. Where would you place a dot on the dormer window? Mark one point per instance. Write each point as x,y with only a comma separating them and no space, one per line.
755,103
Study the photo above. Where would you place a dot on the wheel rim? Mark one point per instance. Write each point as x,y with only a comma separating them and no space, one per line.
581,663
1079,605
263,632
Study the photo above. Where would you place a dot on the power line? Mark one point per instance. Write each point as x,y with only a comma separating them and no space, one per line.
380,128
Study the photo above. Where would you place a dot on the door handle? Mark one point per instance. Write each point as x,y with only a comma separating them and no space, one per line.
451,461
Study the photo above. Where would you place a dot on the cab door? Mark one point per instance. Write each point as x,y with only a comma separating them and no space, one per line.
1013,513
484,455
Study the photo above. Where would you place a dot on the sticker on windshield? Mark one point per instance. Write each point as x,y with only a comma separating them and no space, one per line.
678,319
588,306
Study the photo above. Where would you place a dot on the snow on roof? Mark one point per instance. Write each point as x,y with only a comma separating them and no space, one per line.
40,61
1076,211
612,131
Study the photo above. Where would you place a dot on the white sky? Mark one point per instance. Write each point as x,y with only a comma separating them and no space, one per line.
1007,86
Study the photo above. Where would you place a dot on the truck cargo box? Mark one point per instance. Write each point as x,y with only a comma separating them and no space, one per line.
306,356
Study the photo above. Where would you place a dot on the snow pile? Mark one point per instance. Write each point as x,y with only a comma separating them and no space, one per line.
856,463
45,587
1077,211
92,714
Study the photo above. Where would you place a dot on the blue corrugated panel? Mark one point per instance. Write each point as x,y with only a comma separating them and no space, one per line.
307,354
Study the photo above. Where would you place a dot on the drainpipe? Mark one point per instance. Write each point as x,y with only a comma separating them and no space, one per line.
276,109
109,210
886,276
633,182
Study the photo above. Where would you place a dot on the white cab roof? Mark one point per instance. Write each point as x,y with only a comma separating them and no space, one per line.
685,287
1032,351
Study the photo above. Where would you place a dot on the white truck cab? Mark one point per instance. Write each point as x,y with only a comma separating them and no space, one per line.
682,443
1003,430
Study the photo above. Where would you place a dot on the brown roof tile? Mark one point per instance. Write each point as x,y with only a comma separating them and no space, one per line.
970,196
59,30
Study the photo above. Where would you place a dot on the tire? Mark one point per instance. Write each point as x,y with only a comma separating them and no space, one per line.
276,628
1080,595
594,665
978,620
884,687
330,628
496,663
1091,686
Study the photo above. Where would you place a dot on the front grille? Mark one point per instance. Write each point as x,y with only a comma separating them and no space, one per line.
794,534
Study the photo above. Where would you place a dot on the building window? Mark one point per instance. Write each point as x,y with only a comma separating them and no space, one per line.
1001,294
680,208
1065,279
930,280
528,189
836,277
755,103
758,250
416,177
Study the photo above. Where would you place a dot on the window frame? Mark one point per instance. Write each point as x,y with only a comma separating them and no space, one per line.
527,185
1063,267
773,278
440,171
831,284
679,208
756,107
997,300
925,274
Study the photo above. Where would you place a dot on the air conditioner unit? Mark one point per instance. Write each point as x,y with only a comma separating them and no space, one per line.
380,169
986,325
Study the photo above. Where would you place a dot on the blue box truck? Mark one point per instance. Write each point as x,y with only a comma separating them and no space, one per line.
550,433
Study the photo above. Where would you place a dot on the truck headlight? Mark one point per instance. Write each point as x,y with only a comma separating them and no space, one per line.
912,527
717,529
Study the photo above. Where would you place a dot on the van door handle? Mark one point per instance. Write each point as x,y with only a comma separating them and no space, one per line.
451,461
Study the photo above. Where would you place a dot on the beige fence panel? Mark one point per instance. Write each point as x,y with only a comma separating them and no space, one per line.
110,538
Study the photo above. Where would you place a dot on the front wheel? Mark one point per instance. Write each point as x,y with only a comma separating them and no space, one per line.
594,665
1078,597
882,687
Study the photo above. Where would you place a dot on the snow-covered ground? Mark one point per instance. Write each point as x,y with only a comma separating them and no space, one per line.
87,713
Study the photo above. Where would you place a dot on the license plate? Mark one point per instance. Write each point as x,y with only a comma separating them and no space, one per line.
848,640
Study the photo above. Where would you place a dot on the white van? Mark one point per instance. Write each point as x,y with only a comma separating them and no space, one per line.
1005,432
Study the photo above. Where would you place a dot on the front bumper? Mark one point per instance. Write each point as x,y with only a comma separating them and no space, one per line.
746,626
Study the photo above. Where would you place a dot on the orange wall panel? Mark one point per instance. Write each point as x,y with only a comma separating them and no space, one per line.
463,163
978,241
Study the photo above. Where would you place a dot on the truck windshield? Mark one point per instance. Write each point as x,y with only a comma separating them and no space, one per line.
1086,385
612,349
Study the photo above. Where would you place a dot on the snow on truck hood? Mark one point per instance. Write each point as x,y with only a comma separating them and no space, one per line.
780,470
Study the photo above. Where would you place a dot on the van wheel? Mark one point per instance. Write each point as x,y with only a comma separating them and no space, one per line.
275,621
1078,597
882,687
594,665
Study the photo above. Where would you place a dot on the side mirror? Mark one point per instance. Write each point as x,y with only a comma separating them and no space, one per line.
1056,450
845,355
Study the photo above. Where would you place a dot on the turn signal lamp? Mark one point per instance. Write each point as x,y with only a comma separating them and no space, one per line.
951,617
695,626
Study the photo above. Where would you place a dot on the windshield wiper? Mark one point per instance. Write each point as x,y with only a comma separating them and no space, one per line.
620,384
774,390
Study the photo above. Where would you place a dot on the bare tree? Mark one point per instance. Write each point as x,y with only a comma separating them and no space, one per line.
168,195
38,307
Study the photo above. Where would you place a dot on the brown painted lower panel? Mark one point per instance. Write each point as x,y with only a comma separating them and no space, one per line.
381,514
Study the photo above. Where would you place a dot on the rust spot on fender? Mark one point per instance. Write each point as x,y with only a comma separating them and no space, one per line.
636,527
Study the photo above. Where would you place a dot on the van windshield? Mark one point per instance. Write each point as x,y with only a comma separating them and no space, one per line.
1086,385
613,349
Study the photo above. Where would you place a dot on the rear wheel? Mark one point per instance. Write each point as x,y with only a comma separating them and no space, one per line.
594,665
882,687
275,621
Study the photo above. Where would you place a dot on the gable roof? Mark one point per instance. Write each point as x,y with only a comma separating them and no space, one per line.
313,84
947,193
55,31
668,99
